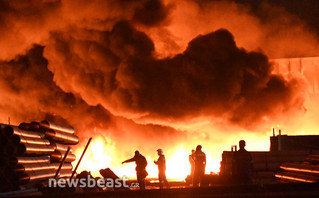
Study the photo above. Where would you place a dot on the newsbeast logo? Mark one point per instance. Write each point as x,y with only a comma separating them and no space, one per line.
90,182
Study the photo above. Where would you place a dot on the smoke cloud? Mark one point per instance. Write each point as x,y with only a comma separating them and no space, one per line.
109,59
212,77
28,92
256,25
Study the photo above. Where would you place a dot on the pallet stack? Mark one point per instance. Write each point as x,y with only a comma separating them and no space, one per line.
32,152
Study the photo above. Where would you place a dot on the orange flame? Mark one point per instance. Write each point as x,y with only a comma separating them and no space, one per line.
103,154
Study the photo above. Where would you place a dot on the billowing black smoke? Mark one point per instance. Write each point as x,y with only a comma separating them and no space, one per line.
212,77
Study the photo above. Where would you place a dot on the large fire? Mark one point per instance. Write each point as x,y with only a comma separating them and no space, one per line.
102,152
101,155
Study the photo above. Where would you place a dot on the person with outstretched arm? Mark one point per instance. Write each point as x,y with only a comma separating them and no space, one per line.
141,164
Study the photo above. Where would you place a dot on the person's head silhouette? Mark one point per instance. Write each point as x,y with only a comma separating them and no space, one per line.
198,148
242,144
160,152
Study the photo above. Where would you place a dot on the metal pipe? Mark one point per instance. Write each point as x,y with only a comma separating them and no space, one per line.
34,149
77,165
25,126
58,156
9,149
63,160
33,126
313,158
34,167
3,140
65,173
13,161
14,130
2,126
36,176
41,166
63,137
66,166
296,177
16,139
305,168
10,173
50,125
60,147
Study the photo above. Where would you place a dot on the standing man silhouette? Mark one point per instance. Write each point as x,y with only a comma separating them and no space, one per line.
242,164
200,164
161,163
191,159
141,172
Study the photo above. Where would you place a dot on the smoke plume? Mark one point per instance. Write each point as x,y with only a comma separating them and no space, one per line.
211,78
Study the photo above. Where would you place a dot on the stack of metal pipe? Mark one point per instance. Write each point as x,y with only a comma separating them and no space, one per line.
32,152
306,171
265,164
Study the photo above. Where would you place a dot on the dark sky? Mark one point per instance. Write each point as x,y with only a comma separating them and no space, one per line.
306,10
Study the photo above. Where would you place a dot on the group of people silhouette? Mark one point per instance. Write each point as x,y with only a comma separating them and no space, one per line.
141,172
241,166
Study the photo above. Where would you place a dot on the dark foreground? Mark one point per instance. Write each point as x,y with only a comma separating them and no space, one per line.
269,190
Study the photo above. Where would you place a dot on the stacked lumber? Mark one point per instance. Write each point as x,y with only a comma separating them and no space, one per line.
32,152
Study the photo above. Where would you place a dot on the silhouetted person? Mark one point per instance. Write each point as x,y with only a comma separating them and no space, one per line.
200,164
191,159
242,164
141,172
161,163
